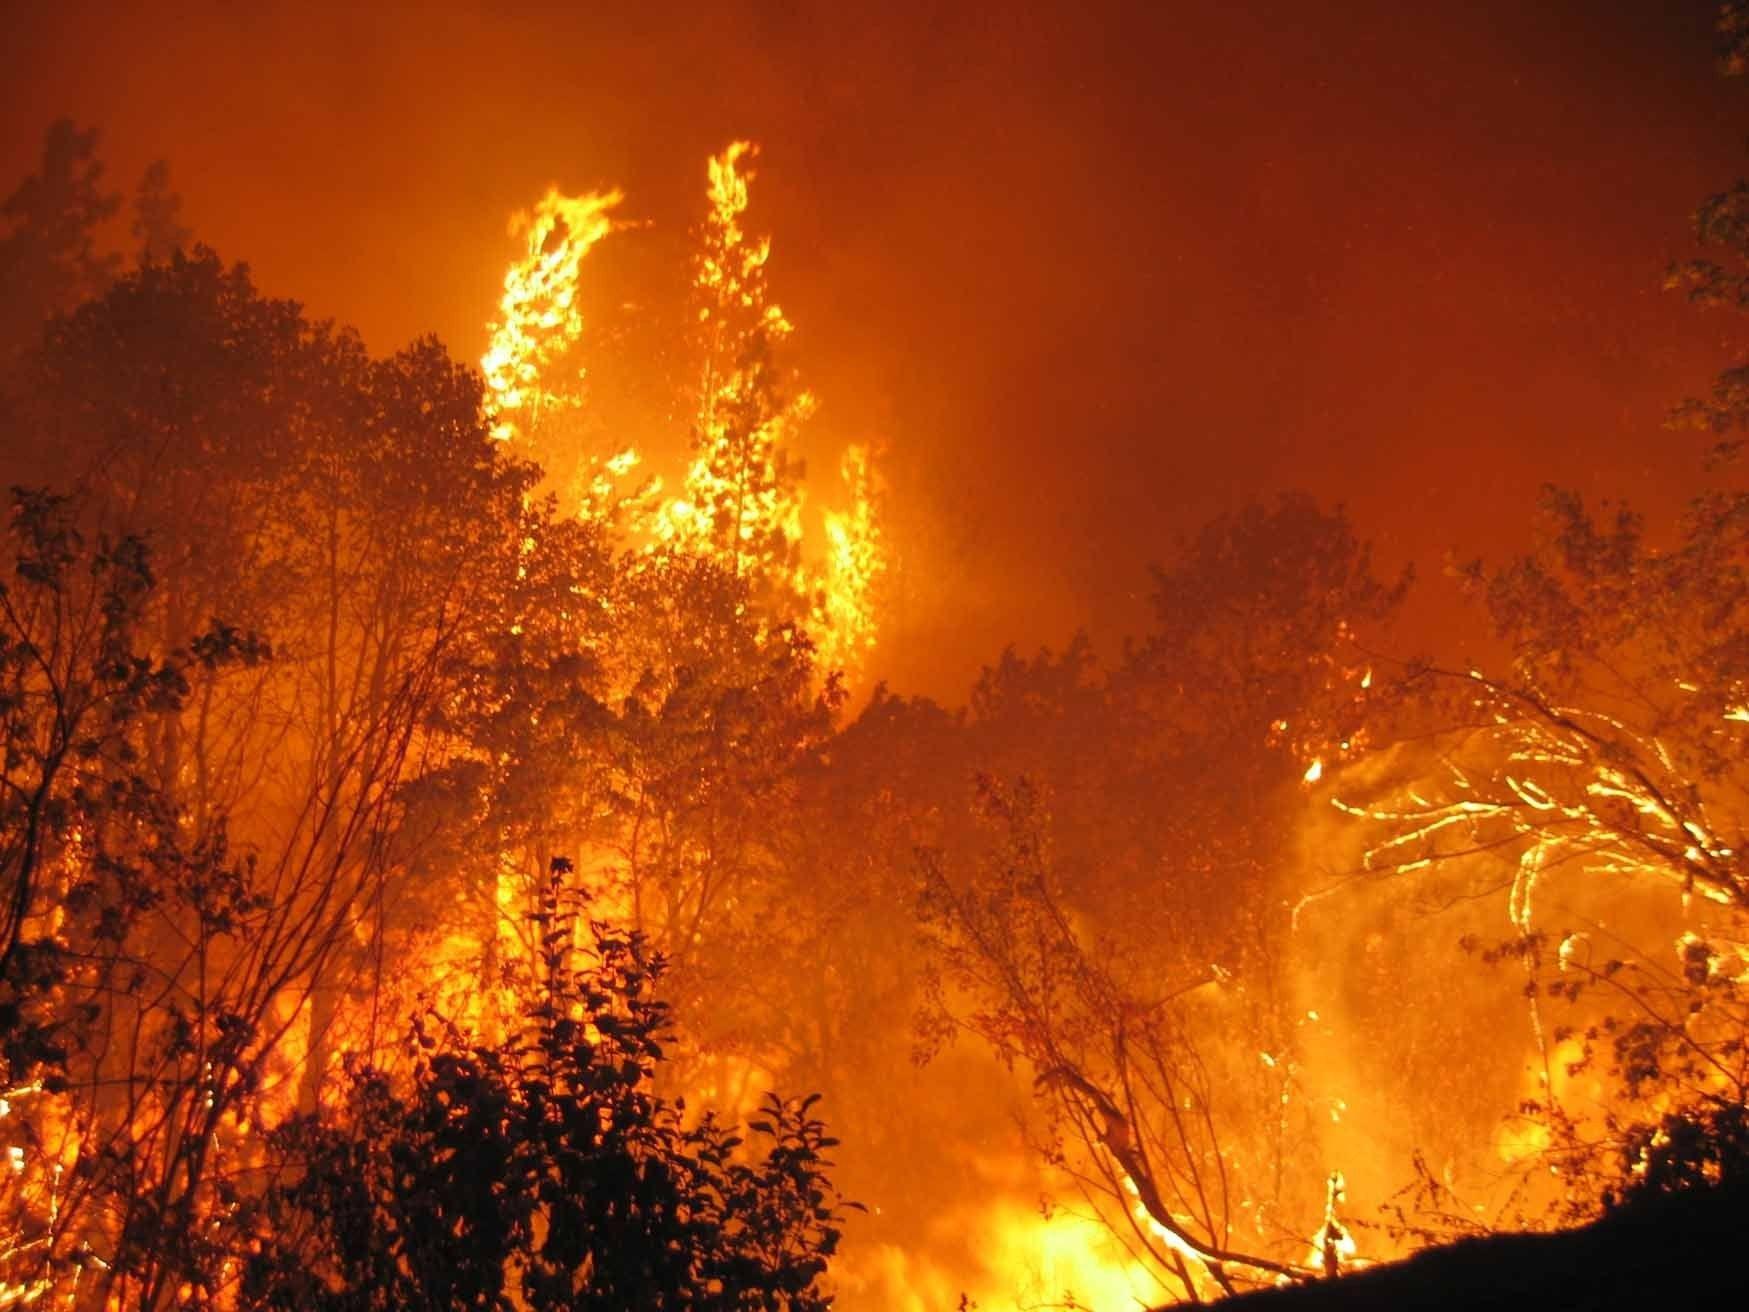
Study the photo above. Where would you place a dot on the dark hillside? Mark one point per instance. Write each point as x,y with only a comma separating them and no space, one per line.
1663,1252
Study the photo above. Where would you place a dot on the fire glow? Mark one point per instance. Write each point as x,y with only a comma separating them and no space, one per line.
740,499
461,844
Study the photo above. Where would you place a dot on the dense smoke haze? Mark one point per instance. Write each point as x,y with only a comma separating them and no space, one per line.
786,656
1093,273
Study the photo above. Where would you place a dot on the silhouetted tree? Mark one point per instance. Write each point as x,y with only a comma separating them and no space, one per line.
1720,279
353,507
120,1061
157,223
546,1171
1120,934
50,259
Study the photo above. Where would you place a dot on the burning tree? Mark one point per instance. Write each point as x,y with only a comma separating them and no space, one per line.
227,925
353,508
225,877
1135,968
739,501
132,999
711,678
1597,785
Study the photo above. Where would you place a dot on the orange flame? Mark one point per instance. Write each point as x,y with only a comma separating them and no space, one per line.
740,500
539,319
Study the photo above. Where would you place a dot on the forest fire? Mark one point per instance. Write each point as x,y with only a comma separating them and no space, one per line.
539,316
739,503
468,840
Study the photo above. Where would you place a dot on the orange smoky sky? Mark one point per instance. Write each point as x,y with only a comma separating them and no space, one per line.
1093,272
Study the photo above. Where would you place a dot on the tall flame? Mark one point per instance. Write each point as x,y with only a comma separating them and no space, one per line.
539,319
740,500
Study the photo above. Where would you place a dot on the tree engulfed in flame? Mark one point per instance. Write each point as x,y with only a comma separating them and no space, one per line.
539,317
740,500
742,497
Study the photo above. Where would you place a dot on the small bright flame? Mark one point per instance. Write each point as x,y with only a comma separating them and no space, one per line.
855,562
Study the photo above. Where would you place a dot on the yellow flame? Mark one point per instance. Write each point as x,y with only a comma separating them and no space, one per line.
539,318
740,500
740,503
855,561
